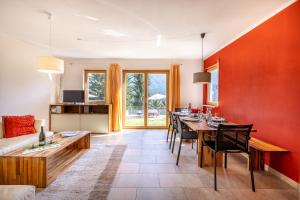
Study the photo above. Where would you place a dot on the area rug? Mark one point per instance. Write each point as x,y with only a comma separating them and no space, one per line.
90,177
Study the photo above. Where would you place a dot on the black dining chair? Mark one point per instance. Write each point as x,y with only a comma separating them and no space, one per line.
174,133
184,134
181,109
174,129
171,125
229,139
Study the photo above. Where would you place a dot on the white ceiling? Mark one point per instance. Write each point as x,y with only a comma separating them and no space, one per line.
130,28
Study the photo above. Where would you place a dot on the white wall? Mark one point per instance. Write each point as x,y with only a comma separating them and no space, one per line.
23,90
73,76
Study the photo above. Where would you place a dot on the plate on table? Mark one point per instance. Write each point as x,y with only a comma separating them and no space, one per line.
181,114
190,119
213,124
218,119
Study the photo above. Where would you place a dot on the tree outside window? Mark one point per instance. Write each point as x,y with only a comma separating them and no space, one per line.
95,83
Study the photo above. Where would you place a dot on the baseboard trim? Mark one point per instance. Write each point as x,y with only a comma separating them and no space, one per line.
282,177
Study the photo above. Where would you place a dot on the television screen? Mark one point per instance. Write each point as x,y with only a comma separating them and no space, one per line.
73,96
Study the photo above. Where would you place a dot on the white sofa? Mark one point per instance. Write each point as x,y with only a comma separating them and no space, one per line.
10,144
18,192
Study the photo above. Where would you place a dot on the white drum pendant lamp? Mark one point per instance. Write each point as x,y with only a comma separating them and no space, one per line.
50,64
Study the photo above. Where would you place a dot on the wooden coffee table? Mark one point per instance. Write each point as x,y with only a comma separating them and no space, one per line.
42,168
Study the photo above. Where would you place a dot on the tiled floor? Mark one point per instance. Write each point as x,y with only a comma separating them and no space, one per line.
148,171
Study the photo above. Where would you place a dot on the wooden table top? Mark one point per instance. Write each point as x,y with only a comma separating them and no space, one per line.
63,141
203,126
199,126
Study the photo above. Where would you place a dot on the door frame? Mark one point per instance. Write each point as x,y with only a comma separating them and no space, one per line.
145,72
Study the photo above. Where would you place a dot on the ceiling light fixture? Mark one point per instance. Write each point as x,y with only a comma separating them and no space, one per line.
88,17
50,64
201,77
113,33
92,18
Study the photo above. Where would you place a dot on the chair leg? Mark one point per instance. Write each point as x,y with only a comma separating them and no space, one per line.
201,154
192,144
171,138
251,172
168,132
215,170
225,163
174,141
179,149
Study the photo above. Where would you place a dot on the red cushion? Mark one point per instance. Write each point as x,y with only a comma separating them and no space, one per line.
18,125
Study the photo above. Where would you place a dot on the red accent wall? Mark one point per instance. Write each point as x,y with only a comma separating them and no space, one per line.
260,84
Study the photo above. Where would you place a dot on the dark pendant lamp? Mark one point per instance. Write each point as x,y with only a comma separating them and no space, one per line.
201,77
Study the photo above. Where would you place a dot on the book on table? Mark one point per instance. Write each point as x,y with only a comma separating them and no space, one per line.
68,133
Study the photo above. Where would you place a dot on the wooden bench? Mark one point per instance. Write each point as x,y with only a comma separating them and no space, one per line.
258,149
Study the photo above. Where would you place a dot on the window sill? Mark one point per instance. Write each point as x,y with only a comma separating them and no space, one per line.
211,105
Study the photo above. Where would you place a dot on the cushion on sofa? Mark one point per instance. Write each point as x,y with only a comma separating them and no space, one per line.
37,125
18,125
17,192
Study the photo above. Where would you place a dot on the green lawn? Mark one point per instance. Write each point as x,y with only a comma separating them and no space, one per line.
153,121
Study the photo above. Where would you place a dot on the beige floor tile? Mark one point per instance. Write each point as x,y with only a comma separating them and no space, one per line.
156,152
136,180
190,168
209,194
122,194
283,194
171,158
266,194
264,180
139,159
160,194
180,180
157,168
131,168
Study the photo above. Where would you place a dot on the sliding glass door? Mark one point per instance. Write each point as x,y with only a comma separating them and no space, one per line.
145,99
157,99
135,100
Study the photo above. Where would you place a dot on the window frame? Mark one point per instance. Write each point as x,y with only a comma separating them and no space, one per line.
86,86
210,69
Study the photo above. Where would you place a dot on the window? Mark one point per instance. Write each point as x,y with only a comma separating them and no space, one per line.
213,86
95,85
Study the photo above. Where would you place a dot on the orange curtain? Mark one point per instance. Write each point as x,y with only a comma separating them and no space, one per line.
174,87
114,95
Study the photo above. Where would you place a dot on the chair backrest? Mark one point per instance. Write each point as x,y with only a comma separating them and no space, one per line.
178,125
180,109
171,116
233,137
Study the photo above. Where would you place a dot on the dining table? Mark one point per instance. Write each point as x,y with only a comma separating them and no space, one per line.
202,128
208,132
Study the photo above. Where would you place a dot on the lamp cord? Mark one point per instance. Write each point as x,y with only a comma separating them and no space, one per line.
202,54
50,32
